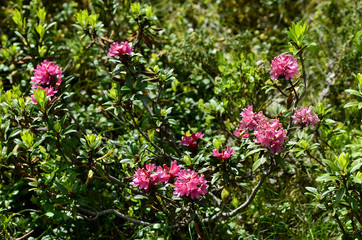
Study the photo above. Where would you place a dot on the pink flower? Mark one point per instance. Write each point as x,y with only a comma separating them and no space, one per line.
197,136
305,117
173,172
225,154
47,73
147,178
250,120
188,141
119,49
47,76
270,134
238,132
191,141
284,66
162,175
246,135
190,184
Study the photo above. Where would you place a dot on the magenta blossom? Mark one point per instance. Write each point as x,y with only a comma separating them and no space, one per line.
246,135
249,121
305,117
47,76
225,154
191,141
284,66
147,178
270,134
47,73
173,171
119,49
190,184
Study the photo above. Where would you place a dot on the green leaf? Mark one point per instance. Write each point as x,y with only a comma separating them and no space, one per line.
326,178
70,131
187,160
216,177
354,92
280,161
40,30
50,25
351,104
258,162
139,197
14,133
28,138
126,89
93,18
332,165
20,36
356,165
60,187
49,214
356,180
18,18
42,50
82,17
127,160
156,226
20,143
312,190
254,151
41,98
224,194
343,161
340,194
172,122
33,184
41,14
354,204
136,8
217,143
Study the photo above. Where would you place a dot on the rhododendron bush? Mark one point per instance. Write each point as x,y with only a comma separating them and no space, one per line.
124,120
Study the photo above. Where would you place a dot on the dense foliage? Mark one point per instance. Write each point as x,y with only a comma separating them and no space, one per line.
181,119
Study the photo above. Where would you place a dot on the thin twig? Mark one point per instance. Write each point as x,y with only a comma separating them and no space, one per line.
295,92
298,99
116,181
245,204
97,214
281,91
25,236
340,225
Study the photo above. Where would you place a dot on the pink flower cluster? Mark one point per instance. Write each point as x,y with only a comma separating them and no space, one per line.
285,66
192,140
190,184
187,182
119,49
225,153
305,117
250,121
47,76
268,133
271,134
147,178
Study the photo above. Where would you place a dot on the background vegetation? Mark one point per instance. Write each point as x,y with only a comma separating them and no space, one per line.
197,64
